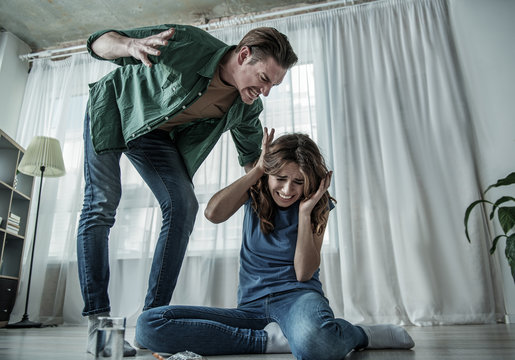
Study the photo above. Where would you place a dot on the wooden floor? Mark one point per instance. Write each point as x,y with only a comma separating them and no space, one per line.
470,342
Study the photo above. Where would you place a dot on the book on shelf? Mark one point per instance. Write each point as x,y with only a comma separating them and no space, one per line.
11,229
16,226
15,218
13,224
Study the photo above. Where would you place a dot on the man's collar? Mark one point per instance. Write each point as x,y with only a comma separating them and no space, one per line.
208,70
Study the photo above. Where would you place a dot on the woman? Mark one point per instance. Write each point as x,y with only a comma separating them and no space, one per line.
281,305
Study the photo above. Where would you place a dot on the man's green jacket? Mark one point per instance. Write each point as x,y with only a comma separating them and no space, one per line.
135,99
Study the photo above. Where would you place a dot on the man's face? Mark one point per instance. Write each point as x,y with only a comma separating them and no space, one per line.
252,80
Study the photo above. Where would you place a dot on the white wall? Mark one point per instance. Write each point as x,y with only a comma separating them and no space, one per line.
13,77
484,33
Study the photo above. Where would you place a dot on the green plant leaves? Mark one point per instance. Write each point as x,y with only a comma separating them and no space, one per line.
494,243
467,214
510,253
508,180
506,217
499,202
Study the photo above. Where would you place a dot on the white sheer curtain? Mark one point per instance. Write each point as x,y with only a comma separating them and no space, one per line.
378,86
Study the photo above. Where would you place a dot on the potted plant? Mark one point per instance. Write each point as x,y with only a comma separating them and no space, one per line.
505,217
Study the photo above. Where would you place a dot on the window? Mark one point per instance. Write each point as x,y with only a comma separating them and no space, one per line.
290,107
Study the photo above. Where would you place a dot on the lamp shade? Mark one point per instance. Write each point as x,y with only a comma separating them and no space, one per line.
43,151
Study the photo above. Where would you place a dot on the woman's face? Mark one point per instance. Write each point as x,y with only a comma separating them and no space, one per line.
287,186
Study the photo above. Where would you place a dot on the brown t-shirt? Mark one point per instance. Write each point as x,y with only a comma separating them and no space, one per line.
213,104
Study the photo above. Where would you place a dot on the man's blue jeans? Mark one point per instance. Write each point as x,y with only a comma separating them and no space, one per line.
157,160
304,316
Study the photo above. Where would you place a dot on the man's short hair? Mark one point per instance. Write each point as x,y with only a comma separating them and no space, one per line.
267,41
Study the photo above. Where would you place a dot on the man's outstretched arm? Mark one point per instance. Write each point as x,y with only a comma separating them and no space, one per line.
112,45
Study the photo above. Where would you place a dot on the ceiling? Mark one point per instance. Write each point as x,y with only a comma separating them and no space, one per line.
48,24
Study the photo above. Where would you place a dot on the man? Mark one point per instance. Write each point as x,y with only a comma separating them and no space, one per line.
176,91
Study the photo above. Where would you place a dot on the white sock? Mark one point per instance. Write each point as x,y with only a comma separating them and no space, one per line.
276,342
93,323
387,337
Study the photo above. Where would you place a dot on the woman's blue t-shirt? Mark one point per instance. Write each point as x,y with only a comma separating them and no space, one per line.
266,261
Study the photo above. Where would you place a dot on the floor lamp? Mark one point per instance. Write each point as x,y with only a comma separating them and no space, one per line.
42,158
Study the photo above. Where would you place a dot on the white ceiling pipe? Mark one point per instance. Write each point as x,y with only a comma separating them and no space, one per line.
80,49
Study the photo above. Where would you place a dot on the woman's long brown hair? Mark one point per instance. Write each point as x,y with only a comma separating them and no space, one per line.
301,150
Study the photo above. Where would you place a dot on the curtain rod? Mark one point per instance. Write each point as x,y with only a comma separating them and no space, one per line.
249,18
81,49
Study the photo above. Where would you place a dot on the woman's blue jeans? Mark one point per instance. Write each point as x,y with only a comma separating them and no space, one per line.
304,316
157,160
